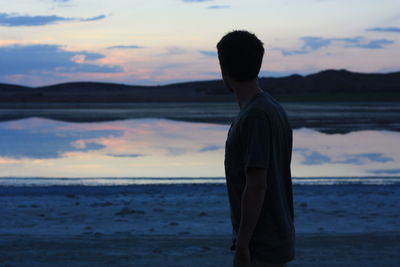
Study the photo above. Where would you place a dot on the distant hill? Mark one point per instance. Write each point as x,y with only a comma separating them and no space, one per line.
329,85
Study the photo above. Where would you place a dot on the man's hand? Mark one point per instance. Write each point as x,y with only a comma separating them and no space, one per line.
242,257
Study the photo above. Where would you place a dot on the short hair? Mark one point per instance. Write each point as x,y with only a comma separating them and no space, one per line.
240,53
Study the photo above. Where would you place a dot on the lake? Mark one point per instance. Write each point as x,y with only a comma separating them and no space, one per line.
184,143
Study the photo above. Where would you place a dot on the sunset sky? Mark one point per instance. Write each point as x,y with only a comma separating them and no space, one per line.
151,42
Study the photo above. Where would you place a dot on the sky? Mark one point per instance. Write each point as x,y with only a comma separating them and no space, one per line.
156,42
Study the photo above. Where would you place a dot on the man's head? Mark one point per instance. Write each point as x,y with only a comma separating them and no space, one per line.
240,55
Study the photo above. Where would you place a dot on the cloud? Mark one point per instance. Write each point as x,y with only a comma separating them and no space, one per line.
317,158
16,20
37,144
314,158
359,159
126,155
218,7
12,20
208,53
386,29
100,17
360,42
210,148
311,44
125,47
376,44
36,59
385,171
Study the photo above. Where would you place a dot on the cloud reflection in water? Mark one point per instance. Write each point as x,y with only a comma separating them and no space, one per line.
163,148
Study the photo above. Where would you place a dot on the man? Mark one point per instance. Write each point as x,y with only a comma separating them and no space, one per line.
257,160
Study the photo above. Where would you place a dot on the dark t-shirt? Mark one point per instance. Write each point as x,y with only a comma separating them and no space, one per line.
261,137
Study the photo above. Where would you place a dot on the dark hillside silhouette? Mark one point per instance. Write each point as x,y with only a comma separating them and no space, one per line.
329,85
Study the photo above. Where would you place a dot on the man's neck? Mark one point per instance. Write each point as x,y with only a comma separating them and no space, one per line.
245,91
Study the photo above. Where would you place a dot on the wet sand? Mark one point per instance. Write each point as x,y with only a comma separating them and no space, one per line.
188,225
368,249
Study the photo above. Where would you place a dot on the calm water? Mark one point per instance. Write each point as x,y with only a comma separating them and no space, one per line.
327,117
38,151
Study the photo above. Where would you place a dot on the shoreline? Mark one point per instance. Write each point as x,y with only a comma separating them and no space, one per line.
332,117
15,182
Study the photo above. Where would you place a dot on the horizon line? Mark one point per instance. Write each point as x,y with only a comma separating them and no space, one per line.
195,81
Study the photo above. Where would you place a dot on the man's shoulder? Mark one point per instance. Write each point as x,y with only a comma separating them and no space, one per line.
262,107
254,113
265,108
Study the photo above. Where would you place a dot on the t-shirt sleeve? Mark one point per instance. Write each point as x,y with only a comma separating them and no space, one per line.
255,142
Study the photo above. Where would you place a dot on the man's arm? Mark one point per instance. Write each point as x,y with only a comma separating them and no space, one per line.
252,203
255,140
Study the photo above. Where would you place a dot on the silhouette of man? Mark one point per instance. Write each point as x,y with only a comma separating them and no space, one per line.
258,152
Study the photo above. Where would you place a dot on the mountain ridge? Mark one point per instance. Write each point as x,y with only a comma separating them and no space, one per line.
326,85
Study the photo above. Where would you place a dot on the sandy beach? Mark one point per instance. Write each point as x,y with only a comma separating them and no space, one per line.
187,225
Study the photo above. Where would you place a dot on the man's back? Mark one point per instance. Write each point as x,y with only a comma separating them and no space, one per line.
257,159
261,137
